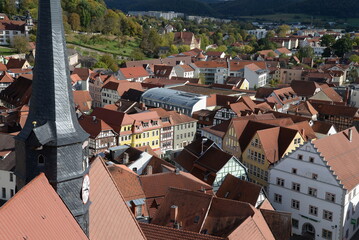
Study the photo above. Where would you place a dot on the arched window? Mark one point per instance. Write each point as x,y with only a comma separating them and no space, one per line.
41,160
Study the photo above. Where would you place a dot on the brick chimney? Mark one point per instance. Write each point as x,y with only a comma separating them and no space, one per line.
126,158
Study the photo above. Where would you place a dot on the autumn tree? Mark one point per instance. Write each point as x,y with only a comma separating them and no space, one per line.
74,21
21,44
282,30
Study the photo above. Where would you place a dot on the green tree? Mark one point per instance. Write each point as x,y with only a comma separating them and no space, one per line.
342,46
305,52
327,40
109,62
21,44
150,42
354,58
183,48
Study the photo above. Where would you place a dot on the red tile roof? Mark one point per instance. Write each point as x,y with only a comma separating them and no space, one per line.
12,25
83,73
121,86
93,126
110,218
134,72
37,212
343,159
240,190
127,181
113,118
156,232
6,78
82,100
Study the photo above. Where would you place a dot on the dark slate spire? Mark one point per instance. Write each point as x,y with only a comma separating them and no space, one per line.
52,100
52,141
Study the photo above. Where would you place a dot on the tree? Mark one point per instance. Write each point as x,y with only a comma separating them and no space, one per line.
183,48
354,58
342,46
21,44
327,40
282,30
327,52
306,52
108,61
74,21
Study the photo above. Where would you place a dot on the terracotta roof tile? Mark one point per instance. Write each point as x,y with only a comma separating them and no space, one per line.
343,158
121,86
37,212
127,181
240,190
133,72
156,232
82,100
113,118
83,73
6,78
93,126
107,204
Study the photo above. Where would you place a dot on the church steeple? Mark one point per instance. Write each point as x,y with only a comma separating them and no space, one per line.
52,141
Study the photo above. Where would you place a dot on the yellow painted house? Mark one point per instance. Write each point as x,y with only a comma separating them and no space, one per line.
265,148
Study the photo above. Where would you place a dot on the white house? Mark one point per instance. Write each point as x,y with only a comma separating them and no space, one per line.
318,183
256,76
184,70
7,166
259,33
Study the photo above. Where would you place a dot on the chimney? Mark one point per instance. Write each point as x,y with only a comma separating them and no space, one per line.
94,118
174,214
177,171
350,134
126,158
149,170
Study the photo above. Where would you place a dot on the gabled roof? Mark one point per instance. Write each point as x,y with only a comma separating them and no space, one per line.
14,62
156,232
121,86
18,93
240,190
37,212
343,159
157,185
133,72
93,126
113,118
83,73
12,25
220,100
332,94
337,110
303,108
6,78
219,129
110,218
127,181
304,88
82,100
322,127
162,71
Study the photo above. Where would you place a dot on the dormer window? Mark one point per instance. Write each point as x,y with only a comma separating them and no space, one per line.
41,160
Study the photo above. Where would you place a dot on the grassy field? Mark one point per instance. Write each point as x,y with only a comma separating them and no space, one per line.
7,51
106,44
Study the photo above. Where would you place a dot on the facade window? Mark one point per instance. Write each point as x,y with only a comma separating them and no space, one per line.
300,157
12,192
327,215
11,177
313,210
330,197
277,198
3,192
139,211
326,234
41,160
312,191
296,187
311,159
314,176
294,170
295,204
295,223
280,182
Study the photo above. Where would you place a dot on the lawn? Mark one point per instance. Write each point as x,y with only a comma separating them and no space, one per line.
7,51
107,44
